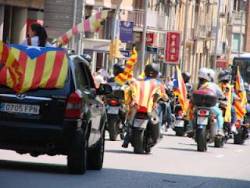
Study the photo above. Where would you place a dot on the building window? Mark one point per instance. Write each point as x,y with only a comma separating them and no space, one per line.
236,42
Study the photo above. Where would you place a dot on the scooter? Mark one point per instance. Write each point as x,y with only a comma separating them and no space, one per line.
116,113
145,130
204,122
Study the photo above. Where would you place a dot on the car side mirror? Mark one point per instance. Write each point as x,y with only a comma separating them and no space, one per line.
104,89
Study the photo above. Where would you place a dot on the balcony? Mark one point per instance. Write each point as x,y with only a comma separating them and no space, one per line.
236,18
136,16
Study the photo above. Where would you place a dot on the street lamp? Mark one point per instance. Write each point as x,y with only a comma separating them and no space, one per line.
217,34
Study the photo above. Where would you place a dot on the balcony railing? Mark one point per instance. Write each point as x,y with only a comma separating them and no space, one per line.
136,16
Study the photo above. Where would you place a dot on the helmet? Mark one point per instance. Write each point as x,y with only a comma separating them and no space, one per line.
186,76
224,75
204,74
152,70
117,69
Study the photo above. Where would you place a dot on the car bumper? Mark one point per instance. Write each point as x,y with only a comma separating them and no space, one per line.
23,135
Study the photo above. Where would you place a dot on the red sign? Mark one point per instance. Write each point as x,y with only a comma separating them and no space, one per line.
150,39
221,63
172,51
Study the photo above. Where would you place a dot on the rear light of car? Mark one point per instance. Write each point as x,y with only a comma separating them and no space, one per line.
113,102
74,105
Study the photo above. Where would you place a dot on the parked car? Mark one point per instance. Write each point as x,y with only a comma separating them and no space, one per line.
68,121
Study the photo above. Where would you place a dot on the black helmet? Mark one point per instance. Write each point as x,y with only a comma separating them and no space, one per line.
152,70
186,76
224,76
117,69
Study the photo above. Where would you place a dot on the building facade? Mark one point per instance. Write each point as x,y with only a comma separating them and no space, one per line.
16,15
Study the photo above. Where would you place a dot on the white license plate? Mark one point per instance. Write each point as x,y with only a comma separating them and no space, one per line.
140,123
202,120
113,110
179,123
19,108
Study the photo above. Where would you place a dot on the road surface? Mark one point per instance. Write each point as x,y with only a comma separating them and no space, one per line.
174,163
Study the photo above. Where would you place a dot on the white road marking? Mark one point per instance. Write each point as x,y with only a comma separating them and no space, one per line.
220,156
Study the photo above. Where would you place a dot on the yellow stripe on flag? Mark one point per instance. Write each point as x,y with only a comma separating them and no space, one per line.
9,81
63,73
29,74
48,68
13,55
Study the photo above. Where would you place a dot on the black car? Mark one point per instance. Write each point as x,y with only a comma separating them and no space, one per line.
68,121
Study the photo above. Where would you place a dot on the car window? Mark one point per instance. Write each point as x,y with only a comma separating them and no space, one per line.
81,79
90,80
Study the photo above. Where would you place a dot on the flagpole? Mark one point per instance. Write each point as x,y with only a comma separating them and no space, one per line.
144,35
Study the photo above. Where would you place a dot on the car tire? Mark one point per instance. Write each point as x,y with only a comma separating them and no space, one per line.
77,154
96,154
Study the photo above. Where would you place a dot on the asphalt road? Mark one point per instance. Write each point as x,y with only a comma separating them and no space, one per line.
174,163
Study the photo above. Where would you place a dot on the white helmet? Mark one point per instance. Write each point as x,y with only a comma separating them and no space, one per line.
204,74
212,75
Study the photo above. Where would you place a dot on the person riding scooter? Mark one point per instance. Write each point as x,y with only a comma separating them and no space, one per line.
206,78
230,118
145,92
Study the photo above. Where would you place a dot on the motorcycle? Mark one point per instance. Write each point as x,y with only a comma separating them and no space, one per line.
116,113
145,130
180,125
204,122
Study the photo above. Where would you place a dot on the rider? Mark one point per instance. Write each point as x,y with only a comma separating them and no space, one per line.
186,78
151,72
206,78
224,79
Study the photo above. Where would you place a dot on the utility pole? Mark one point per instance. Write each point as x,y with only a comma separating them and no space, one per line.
241,26
74,46
144,35
185,34
217,34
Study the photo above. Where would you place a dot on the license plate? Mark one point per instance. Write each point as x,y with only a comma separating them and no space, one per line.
113,110
202,120
20,108
179,123
140,123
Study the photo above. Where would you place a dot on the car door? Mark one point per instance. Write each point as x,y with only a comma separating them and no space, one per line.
97,108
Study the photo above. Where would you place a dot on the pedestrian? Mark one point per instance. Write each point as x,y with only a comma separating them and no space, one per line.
37,36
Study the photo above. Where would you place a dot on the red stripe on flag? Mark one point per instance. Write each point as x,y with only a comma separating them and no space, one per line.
40,62
20,67
56,69
3,76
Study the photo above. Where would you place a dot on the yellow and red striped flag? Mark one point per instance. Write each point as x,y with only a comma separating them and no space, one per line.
127,74
180,90
35,68
92,24
10,69
240,106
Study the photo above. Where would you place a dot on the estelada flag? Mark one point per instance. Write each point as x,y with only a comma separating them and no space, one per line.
127,74
35,67
10,69
180,90
240,106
